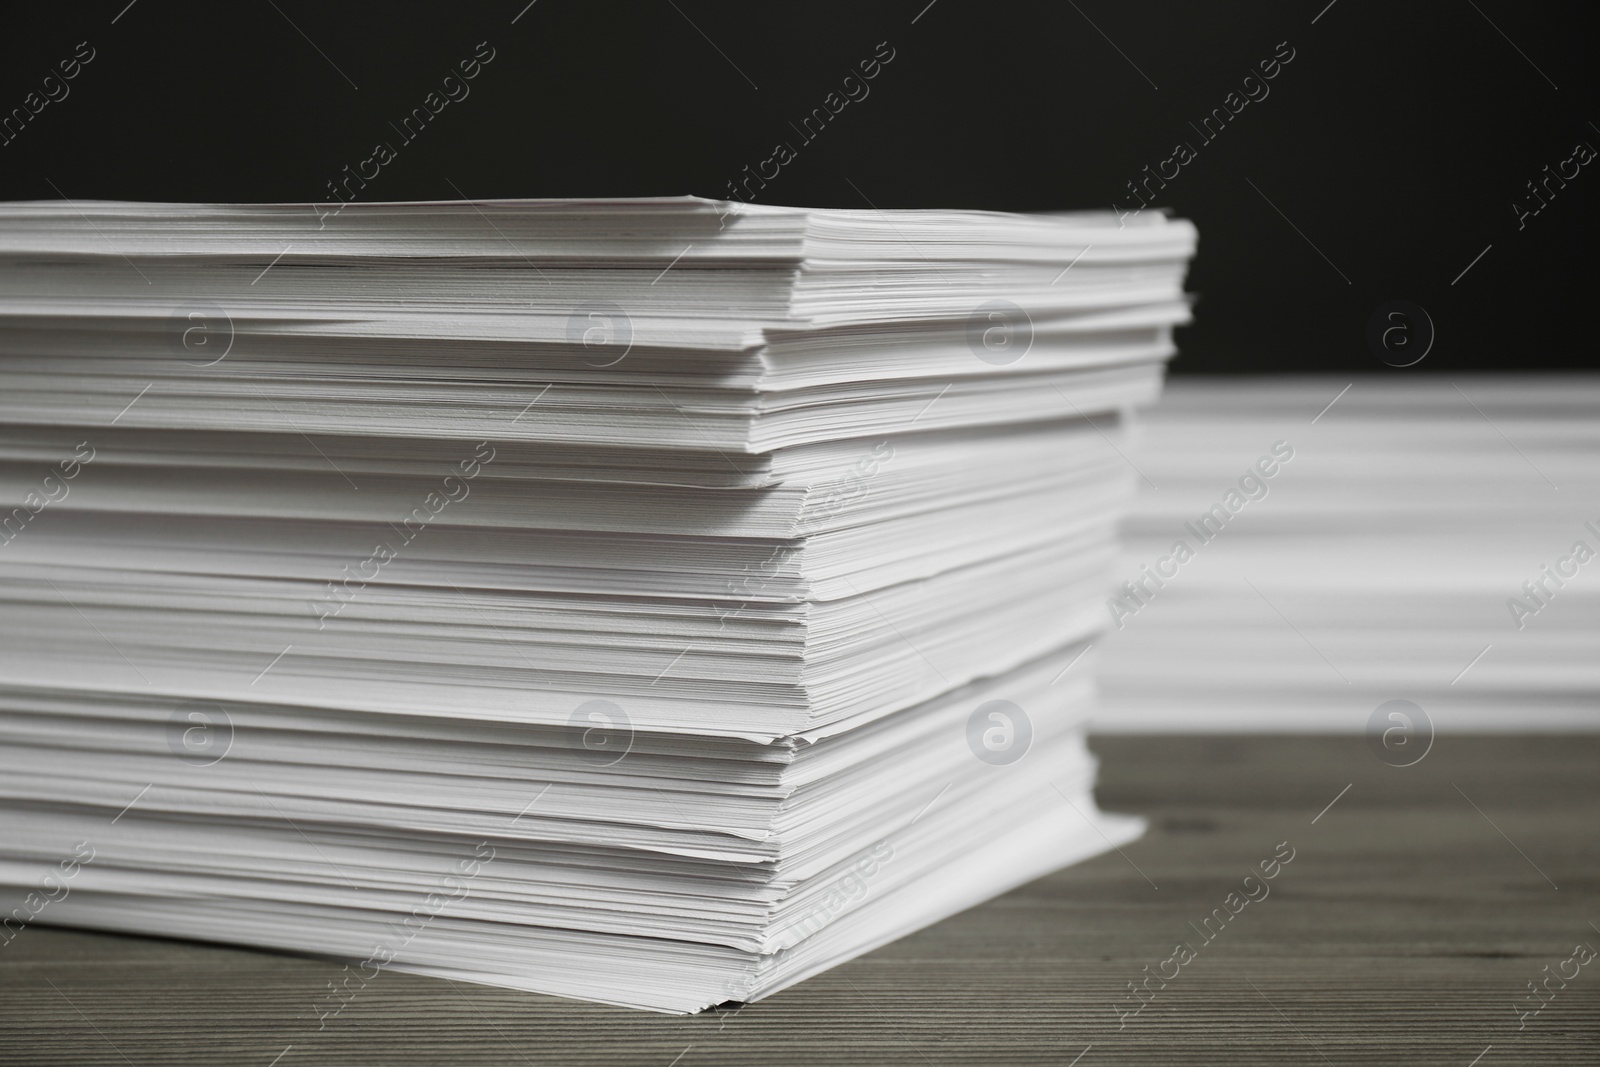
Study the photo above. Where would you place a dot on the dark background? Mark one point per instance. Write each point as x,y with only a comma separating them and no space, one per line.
1396,140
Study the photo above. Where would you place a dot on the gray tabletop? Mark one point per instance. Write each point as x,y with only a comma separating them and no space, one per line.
1407,927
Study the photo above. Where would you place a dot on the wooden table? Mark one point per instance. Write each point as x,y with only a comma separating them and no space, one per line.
1416,910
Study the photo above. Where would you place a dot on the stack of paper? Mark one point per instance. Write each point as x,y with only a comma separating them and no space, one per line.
649,601
1427,538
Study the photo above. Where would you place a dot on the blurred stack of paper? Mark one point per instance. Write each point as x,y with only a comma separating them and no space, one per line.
648,601
1428,539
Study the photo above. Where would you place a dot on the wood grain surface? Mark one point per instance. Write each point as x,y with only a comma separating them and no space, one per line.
1406,929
